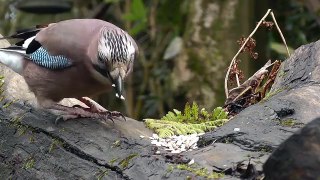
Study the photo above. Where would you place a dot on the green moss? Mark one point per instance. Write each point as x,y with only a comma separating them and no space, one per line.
101,174
21,130
31,138
170,168
29,163
270,94
288,122
191,120
8,104
125,162
265,149
199,171
113,161
282,74
54,144
16,123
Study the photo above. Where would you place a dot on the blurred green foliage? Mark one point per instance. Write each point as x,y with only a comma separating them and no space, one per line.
138,13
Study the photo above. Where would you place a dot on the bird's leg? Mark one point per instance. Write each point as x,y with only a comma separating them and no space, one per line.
94,107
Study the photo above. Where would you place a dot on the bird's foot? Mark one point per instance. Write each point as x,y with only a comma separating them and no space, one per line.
80,112
94,110
111,114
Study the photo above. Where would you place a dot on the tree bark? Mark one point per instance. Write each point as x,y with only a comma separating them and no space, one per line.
33,147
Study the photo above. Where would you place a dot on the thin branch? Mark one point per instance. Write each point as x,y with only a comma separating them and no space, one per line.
237,79
239,51
282,37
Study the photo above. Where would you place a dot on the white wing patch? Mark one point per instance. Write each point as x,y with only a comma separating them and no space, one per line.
27,42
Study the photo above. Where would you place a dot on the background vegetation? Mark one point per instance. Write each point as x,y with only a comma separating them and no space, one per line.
185,45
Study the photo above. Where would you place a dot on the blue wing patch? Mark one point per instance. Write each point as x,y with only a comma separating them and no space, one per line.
42,58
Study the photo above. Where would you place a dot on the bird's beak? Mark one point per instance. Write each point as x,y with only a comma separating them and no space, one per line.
119,87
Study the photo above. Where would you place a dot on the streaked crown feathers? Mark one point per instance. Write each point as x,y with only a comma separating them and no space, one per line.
116,46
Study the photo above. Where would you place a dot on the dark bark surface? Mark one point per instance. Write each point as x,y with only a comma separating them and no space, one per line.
75,149
33,147
298,156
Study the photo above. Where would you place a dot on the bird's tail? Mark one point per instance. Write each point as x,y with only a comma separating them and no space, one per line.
13,57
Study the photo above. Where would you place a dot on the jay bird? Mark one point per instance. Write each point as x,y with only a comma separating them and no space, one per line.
72,59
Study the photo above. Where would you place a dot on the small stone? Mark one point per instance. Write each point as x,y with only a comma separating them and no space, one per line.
183,146
193,141
194,146
191,162
141,136
50,129
236,129
154,142
174,146
179,142
157,152
155,136
193,136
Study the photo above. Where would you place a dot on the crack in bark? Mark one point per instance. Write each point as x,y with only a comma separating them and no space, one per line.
76,151
246,145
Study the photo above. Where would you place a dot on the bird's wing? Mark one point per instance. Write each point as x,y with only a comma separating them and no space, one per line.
42,58
71,38
32,50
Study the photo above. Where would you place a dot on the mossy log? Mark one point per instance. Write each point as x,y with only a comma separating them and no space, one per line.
33,147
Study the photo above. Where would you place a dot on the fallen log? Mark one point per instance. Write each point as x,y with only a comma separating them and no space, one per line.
32,146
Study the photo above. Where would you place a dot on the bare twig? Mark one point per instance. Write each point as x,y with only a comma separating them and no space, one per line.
243,45
234,58
237,79
282,37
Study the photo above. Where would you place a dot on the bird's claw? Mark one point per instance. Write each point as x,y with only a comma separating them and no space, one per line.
111,114
58,119
106,115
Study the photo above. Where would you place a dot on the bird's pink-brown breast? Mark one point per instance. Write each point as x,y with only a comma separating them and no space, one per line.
71,82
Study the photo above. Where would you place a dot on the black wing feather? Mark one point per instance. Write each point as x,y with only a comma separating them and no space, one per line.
33,46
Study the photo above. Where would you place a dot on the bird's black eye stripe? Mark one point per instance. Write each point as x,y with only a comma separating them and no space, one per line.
100,58
103,72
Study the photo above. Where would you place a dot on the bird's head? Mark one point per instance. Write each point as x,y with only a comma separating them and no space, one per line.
116,53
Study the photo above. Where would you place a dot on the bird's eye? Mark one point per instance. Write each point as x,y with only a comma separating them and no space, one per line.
100,59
